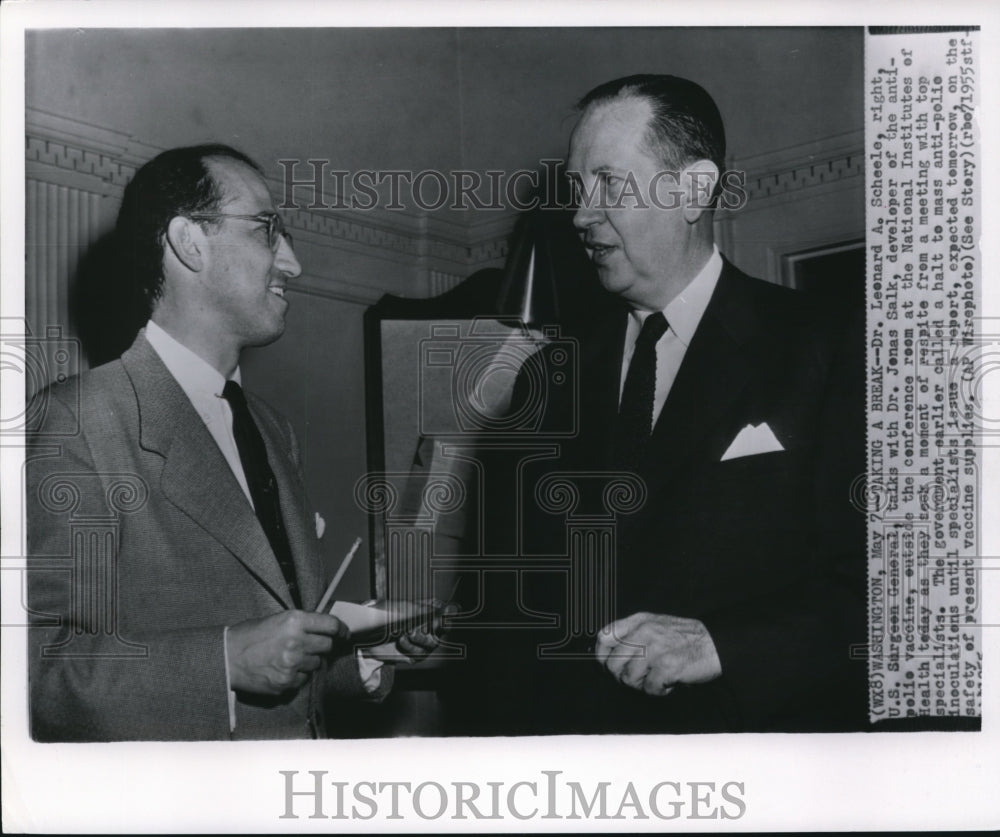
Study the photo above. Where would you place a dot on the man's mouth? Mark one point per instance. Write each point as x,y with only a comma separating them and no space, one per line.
277,290
600,252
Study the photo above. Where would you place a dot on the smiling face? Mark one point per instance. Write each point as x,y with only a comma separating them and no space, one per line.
645,249
243,287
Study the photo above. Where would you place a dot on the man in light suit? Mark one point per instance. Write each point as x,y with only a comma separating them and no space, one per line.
738,586
192,615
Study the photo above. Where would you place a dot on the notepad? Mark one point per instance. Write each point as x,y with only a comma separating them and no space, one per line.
382,621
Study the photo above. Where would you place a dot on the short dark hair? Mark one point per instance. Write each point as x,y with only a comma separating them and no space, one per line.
175,182
685,124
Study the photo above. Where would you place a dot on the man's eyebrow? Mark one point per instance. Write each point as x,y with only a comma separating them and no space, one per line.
602,169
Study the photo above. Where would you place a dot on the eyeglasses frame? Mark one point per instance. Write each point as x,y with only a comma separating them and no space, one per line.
275,224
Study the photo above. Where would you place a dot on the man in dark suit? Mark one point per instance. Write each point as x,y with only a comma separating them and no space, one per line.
190,614
736,589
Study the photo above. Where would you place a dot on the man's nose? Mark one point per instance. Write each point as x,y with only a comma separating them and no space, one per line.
586,216
286,261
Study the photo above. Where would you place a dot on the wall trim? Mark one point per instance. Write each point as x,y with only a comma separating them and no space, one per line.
70,152
437,247
788,173
326,287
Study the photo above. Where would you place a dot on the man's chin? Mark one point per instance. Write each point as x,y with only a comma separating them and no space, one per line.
266,338
612,281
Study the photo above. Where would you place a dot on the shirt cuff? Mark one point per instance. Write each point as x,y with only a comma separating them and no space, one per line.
370,671
229,689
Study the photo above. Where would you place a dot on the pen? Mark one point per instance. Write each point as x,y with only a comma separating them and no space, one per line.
325,601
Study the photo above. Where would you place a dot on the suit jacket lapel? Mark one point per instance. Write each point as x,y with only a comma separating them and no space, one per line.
196,477
291,492
714,374
603,350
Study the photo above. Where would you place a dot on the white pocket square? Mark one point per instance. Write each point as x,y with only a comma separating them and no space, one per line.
752,440
320,526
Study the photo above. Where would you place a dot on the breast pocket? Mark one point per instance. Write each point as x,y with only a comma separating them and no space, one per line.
759,462
751,492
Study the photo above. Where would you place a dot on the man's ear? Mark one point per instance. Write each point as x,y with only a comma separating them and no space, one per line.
700,178
186,243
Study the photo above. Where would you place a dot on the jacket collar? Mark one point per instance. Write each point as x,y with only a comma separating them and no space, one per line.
717,368
196,477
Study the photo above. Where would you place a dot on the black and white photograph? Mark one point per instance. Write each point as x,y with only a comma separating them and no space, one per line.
459,422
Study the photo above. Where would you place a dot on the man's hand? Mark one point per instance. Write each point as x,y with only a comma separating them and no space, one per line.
410,648
276,653
654,652
416,644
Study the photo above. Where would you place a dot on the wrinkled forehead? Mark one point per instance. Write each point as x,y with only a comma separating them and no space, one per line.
607,129
242,187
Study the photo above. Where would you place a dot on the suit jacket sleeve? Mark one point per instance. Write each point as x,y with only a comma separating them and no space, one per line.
84,683
162,677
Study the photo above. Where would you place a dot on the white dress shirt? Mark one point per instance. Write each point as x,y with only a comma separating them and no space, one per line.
203,385
683,314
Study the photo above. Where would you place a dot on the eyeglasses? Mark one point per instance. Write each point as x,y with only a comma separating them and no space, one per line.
275,225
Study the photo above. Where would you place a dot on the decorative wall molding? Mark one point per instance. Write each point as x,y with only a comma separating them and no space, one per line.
349,229
441,282
337,289
77,155
808,175
109,173
489,253
798,197
424,253
61,222
79,134
790,173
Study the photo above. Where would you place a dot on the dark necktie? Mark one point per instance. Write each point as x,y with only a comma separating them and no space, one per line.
262,485
635,415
